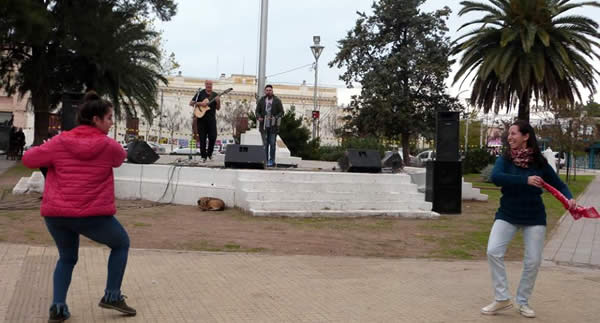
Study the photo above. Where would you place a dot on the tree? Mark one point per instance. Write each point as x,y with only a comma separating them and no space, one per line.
524,49
294,134
571,129
400,57
173,122
232,114
51,47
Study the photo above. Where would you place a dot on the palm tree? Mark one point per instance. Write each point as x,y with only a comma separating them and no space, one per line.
527,48
123,62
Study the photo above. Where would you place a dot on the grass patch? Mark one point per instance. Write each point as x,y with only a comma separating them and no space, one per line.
141,224
232,246
31,235
205,245
321,223
18,170
13,215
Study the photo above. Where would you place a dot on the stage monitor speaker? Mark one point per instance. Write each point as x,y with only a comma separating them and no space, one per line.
139,152
70,109
447,187
362,161
245,156
446,130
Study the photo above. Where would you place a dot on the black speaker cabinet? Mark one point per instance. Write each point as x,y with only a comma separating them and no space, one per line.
429,169
70,109
139,152
245,156
446,193
446,142
361,161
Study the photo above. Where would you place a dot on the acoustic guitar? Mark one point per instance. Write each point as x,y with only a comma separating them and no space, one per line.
200,111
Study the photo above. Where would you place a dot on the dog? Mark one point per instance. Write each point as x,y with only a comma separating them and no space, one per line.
211,204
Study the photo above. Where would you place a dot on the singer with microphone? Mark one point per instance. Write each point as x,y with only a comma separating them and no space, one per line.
269,111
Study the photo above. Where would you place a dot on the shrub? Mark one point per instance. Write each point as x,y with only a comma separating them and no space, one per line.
476,160
331,153
486,173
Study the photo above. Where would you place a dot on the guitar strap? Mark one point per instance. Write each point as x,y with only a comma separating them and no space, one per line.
197,95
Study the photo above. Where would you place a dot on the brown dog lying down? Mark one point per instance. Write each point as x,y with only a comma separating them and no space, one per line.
211,204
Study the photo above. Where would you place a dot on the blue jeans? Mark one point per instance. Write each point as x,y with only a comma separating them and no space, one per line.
533,239
103,229
270,142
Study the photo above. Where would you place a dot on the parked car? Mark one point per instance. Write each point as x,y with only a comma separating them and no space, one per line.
412,159
157,148
185,151
425,156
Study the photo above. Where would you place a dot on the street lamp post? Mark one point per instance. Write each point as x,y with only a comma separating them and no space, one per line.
316,50
160,118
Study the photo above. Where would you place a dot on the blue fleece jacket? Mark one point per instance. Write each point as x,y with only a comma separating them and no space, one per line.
522,203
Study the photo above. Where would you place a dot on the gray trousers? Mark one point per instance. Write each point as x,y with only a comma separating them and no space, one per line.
500,236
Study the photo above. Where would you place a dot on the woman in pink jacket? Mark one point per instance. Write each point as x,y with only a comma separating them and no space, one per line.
79,198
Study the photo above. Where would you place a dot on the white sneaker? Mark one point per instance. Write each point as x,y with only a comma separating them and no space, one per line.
526,311
496,307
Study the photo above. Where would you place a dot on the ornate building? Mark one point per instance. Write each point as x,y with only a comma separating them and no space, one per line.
173,120
175,115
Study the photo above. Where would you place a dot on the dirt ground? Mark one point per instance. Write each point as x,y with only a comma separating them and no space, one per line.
152,225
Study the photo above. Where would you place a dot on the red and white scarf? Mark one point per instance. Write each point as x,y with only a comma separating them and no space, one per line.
522,157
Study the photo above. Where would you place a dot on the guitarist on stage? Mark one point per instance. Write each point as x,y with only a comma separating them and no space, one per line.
207,125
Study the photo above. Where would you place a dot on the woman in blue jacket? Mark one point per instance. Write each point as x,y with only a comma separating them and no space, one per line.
520,171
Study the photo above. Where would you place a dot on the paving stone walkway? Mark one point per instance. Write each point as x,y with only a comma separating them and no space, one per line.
577,243
175,286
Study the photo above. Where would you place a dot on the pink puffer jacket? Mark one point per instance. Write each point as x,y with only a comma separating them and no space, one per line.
80,165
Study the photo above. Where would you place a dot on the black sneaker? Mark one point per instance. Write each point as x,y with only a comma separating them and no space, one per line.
119,305
58,315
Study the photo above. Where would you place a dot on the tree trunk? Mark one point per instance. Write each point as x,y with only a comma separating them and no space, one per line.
405,145
524,106
39,99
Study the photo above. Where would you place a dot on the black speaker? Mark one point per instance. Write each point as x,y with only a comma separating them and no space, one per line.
139,152
446,131
70,109
447,186
429,169
245,156
361,161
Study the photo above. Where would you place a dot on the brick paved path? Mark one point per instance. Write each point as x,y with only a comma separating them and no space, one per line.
578,242
173,286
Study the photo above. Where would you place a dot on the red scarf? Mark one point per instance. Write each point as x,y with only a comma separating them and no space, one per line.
522,157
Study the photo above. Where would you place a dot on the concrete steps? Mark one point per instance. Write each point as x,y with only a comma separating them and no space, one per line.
289,193
348,213
470,193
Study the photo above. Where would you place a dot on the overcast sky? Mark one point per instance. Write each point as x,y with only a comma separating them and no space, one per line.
214,37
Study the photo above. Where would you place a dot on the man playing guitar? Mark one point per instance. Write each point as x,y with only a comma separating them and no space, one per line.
207,124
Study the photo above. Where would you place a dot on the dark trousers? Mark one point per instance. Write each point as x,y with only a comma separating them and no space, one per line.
103,229
207,127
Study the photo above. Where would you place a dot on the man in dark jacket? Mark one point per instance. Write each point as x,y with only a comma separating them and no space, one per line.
207,124
269,111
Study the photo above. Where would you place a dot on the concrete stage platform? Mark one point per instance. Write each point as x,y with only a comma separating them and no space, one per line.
314,188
